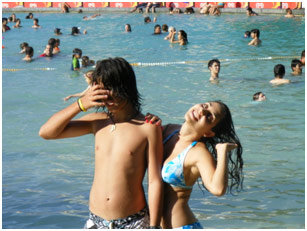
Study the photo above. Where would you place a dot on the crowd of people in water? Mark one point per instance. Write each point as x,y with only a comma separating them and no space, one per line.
205,146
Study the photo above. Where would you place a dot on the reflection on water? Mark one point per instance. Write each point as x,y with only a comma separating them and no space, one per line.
46,183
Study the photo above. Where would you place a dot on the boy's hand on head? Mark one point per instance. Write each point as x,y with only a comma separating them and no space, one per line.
95,97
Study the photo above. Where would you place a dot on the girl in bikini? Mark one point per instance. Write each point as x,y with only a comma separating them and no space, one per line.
205,146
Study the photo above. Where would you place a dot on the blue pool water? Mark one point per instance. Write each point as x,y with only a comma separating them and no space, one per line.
45,184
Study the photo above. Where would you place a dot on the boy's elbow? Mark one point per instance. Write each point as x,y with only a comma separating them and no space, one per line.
44,134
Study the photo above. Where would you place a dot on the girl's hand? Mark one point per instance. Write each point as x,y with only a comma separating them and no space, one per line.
225,147
95,96
153,119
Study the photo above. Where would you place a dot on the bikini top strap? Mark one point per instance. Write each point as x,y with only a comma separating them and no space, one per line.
170,136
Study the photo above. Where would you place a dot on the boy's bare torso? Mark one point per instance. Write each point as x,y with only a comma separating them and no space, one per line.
120,160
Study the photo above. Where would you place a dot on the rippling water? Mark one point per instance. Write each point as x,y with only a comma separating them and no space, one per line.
46,183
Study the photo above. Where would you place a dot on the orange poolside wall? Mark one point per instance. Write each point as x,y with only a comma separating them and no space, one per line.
265,5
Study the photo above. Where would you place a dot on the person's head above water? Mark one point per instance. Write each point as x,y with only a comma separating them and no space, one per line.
255,33
117,75
75,30
259,96
279,71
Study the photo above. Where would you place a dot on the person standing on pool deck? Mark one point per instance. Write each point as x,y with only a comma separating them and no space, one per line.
214,66
125,146
255,34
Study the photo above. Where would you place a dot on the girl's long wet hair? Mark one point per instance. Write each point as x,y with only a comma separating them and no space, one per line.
116,74
225,132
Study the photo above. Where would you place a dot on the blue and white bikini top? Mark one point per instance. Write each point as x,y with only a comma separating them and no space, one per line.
172,172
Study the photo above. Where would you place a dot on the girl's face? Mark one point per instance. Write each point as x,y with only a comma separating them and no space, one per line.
179,35
204,117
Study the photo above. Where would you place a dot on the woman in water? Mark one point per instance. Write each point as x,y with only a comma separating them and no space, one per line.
204,146
182,37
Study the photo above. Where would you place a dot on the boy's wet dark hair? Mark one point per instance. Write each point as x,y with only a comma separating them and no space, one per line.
279,70
35,20
256,31
23,45
210,63
10,19
4,20
117,75
29,51
295,62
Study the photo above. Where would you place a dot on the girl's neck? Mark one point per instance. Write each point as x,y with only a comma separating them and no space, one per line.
187,133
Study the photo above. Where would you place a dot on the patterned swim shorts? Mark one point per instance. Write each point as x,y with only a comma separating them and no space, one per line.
139,220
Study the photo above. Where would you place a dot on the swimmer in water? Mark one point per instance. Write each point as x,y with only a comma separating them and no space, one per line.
17,25
259,96
57,31
182,37
255,34
171,30
127,28
29,54
77,54
157,29
279,72
289,13
303,58
35,22
23,47
214,66
296,66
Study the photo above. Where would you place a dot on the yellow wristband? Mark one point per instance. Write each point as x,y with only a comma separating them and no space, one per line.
81,105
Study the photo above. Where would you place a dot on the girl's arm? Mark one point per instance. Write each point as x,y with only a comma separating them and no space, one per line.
172,40
215,175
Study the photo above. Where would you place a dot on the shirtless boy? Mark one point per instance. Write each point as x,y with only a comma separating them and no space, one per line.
214,66
35,24
124,147
279,72
255,34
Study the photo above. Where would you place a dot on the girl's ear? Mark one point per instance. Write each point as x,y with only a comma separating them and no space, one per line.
209,134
